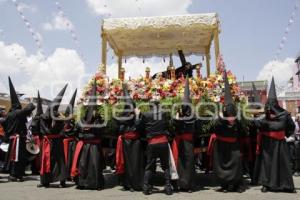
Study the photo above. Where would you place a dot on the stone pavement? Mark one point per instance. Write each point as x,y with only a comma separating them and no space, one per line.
206,191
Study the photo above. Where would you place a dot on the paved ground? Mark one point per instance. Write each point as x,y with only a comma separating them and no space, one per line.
206,190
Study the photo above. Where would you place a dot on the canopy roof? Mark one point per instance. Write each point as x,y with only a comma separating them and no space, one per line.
160,36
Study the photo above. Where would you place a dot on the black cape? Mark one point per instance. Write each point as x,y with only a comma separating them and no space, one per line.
186,161
57,157
133,155
273,168
227,163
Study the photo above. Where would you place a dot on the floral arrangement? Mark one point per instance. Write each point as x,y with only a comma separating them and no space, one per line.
208,89
170,91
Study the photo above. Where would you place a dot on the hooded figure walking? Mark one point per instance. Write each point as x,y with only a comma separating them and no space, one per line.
273,170
15,133
227,163
35,127
53,167
183,144
129,151
88,161
70,133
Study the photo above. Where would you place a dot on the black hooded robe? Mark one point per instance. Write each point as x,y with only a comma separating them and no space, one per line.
227,163
88,161
184,138
15,123
273,168
133,173
58,170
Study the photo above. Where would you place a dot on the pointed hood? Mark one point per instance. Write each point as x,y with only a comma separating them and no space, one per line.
227,96
186,100
272,102
272,96
229,108
91,107
70,107
14,99
35,123
55,103
39,107
130,104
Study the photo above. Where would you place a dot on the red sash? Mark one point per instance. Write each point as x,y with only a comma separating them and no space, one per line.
66,142
74,170
211,144
246,148
120,161
13,151
2,134
46,153
176,142
158,139
276,135
227,139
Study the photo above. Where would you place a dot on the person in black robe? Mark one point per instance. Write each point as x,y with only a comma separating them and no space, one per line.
88,161
70,133
129,151
227,163
156,130
53,168
35,129
273,170
16,132
183,144
297,147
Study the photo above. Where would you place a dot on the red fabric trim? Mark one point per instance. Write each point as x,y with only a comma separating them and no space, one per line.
258,143
227,139
158,139
176,142
210,149
66,142
120,160
277,135
74,169
46,153
13,153
2,134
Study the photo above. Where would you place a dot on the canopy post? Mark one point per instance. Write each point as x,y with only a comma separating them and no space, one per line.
207,58
216,44
119,65
104,51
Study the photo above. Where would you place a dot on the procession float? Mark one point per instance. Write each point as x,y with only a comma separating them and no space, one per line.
164,36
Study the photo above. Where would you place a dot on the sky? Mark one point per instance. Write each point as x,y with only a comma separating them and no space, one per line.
45,44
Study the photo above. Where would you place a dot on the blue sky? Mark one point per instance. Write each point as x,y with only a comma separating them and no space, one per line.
251,33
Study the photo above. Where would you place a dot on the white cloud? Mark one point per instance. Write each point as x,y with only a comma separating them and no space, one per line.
32,72
282,70
129,8
58,22
134,67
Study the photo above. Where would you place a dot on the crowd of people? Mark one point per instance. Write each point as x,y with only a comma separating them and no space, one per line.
268,150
